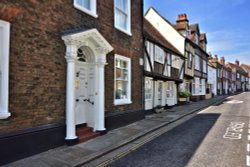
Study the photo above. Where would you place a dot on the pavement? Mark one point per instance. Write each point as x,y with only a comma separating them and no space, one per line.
84,153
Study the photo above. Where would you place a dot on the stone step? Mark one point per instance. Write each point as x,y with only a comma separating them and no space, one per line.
88,136
86,133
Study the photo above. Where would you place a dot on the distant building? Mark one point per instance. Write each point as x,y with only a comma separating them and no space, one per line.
197,50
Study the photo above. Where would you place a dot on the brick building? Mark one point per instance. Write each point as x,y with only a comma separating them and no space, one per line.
65,64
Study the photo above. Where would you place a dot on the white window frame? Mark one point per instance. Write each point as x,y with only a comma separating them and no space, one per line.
169,90
197,62
91,12
159,54
4,69
204,66
189,60
198,86
128,21
238,76
128,99
176,61
149,82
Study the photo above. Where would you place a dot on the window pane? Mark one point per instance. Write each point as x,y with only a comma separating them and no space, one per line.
122,79
84,3
121,14
121,19
121,89
122,5
148,89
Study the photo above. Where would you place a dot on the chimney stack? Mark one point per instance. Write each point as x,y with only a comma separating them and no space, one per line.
222,60
237,62
182,19
215,58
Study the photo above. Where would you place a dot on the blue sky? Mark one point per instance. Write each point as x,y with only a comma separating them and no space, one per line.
226,23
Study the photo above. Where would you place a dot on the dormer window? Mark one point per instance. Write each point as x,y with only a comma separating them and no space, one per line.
188,33
197,39
87,6
204,47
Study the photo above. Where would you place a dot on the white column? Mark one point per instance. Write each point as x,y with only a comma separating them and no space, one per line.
71,55
4,69
99,116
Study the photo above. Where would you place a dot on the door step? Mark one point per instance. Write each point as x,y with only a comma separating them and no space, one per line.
86,133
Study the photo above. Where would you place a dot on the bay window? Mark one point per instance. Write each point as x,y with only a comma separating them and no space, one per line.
123,15
122,80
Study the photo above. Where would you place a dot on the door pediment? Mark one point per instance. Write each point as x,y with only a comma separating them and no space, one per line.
89,37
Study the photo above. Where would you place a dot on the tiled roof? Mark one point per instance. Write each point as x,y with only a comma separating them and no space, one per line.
234,66
246,68
153,34
179,26
194,27
203,37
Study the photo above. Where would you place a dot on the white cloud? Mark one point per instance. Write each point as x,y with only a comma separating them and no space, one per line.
243,57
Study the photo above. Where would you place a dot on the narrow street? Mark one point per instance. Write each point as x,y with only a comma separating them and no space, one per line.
218,136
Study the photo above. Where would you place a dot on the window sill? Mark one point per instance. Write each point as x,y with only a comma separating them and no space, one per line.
148,99
93,14
124,31
4,115
122,102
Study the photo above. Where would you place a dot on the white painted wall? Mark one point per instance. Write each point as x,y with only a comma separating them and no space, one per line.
166,29
212,79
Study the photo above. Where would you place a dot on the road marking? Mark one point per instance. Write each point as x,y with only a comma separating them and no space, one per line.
234,130
234,102
248,137
249,131
248,160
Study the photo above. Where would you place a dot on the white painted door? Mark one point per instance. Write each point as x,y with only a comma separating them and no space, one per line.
84,94
148,93
158,93
171,93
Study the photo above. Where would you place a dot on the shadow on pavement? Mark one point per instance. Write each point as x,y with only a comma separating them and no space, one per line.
174,148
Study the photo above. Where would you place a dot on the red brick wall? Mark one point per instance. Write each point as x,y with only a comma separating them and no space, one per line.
38,66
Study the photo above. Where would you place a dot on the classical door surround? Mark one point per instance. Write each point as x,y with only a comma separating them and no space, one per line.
100,47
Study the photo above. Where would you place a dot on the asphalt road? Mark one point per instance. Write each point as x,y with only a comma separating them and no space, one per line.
218,136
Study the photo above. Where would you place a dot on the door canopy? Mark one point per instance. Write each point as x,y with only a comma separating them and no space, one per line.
75,39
